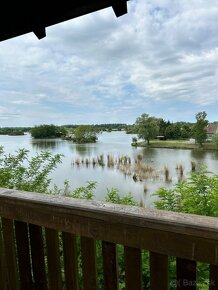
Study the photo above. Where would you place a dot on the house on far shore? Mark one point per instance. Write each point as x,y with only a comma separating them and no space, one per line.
211,130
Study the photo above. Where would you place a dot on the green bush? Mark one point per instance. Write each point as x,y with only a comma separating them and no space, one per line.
113,196
196,195
19,171
85,134
47,131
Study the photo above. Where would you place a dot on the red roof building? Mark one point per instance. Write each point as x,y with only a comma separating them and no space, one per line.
212,129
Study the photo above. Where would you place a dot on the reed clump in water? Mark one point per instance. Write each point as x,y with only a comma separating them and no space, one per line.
77,161
145,188
100,160
167,174
136,168
180,171
193,166
94,162
138,159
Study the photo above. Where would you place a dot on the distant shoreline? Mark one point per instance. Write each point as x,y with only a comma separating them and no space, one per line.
178,144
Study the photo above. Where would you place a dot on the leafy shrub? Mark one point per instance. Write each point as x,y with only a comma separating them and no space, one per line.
83,192
18,171
196,195
47,131
113,196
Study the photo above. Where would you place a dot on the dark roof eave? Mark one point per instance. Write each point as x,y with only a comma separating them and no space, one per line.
34,16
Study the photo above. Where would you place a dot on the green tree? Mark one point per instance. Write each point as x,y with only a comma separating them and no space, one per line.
19,171
173,131
199,132
85,134
215,140
163,126
186,131
147,127
47,131
196,195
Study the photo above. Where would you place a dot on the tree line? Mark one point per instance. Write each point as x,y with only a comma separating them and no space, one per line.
146,127
149,127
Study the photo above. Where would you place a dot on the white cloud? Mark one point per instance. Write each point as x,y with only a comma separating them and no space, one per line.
161,52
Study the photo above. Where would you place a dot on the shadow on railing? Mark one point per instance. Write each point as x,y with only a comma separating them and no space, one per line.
49,242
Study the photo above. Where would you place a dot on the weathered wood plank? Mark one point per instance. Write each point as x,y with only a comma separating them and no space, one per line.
3,273
186,274
133,268
213,281
10,254
23,255
88,252
159,268
187,224
70,261
38,257
53,257
180,235
110,266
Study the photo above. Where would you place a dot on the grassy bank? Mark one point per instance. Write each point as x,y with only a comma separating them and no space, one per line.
177,144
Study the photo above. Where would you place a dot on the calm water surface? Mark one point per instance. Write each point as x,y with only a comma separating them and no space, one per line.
116,144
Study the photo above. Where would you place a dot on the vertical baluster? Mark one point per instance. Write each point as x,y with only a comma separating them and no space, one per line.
133,268
159,271
110,266
38,258
53,256
186,274
23,255
88,251
70,261
10,254
3,274
213,282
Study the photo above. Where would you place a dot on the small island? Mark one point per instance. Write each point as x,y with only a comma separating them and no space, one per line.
12,131
147,131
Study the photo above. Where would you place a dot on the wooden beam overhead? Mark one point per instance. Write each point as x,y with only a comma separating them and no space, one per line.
26,16
120,7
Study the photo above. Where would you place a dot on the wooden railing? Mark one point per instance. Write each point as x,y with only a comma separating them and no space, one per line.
42,237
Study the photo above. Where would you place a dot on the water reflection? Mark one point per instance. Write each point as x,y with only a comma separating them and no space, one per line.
149,154
113,146
214,155
83,149
45,144
198,154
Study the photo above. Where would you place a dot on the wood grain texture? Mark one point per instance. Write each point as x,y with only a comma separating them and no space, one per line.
38,257
23,255
70,261
213,281
110,266
186,274
53,258
3,272
88,252
187,236
10,254
159,268
133,268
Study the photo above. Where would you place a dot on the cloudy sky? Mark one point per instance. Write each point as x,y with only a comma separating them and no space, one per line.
161,58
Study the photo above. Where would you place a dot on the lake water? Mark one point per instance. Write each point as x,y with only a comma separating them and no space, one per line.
77,164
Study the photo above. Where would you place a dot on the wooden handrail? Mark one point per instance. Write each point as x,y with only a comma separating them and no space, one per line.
47,242
175,234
